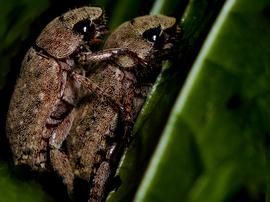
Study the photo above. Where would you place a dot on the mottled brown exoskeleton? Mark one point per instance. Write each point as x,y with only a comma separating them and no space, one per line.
126,70
41,108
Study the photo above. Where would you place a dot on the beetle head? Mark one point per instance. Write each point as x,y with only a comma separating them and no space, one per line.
74,31
151,37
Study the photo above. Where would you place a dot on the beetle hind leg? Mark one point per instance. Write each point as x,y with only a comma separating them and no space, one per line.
59,160
100,182
63,168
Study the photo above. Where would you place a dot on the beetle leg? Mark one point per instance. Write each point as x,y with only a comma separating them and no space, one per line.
59,160
60,111
63,77
110,54
60,132
100,182
92,87
61,165
63,82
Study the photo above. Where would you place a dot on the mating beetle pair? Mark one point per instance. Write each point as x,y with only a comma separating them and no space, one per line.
73,108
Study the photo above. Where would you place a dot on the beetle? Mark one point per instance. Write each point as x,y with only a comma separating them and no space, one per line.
46,91
125,70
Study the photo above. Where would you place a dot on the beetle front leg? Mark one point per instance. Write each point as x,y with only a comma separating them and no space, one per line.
92,87
110,54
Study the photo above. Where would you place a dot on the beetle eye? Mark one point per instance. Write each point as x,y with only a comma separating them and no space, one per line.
153,35
85,28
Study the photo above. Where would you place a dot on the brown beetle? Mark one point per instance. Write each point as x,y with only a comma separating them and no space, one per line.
125,71
40,113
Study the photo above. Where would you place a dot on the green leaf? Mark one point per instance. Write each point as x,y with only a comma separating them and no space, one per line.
123,12
223,109
14,190
168,7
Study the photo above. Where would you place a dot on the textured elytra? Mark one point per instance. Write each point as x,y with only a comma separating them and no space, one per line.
30,107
